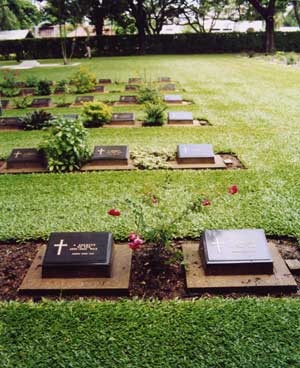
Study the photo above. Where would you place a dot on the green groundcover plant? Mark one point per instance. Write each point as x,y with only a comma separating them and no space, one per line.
66,147
96,114
84,81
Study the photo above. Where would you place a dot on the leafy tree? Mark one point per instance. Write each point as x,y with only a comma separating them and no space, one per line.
18,14
296,8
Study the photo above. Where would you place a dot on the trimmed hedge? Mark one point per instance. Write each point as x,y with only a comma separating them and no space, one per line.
161,44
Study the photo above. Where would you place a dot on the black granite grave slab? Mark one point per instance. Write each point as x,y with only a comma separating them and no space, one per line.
168,87
87,254
125,118
110,155
28,91
134,80
195,153
180,117
5,104
82,99
11,123
99,89
22,158
59,90
41,102
173,98
128,99
236,252
19,84
131,87
105,81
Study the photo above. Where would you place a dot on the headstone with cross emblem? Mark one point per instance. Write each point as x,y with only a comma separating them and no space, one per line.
110,155
123,118
11,122
236,252
75,255
41,102
21,158
195,154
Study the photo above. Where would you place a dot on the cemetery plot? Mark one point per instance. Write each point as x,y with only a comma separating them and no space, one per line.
41,102
164,80
99,89
128,100
236,261
28,91
5,104
173,99
135,80
59,90
82,99
168,87
25,160
131,87
105,81
180,117
79,263
123,119
11,123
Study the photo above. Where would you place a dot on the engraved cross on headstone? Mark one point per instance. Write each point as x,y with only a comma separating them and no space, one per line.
60,246
101,151
17,154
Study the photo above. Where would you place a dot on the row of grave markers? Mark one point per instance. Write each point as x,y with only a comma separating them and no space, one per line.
224,261
118,119
195,156
46,101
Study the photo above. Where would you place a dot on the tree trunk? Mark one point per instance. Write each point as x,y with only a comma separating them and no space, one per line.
296,11
99,22
270,35
62,35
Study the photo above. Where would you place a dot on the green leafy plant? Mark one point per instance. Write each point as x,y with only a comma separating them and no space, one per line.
22,102
63,85
9,79
37,120
10,92
149,94
32,81
83,80
155,114
66,146
292,58
44,88
96,114
151,159
62,101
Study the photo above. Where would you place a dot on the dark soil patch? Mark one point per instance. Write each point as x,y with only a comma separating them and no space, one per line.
147,280
236,163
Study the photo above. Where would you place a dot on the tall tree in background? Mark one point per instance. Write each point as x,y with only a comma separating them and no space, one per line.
202,15
296,7
18,14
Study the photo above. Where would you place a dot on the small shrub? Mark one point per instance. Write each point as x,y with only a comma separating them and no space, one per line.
9,79
84,81
62,101
44,88
66,147
10,92
155,114
96,114
37,120
151,160
149,94
22,102
32,81
63,85
292,59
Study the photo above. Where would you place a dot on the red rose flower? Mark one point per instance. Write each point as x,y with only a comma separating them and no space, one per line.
136,243
114,212
233,189
206,202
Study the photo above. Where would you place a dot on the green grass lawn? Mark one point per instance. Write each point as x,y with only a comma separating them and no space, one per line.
254,108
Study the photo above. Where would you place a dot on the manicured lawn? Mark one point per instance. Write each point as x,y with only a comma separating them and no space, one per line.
216,333
254,109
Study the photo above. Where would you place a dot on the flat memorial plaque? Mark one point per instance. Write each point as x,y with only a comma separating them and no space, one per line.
4,104
236,252
165,80
131,87
99,89
87,254
28,91
195,153
11,123
123,118
128,99
59,90
110,155
168,87
134,80
180,117
173,98
41,102
82,99
21,158
105,81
